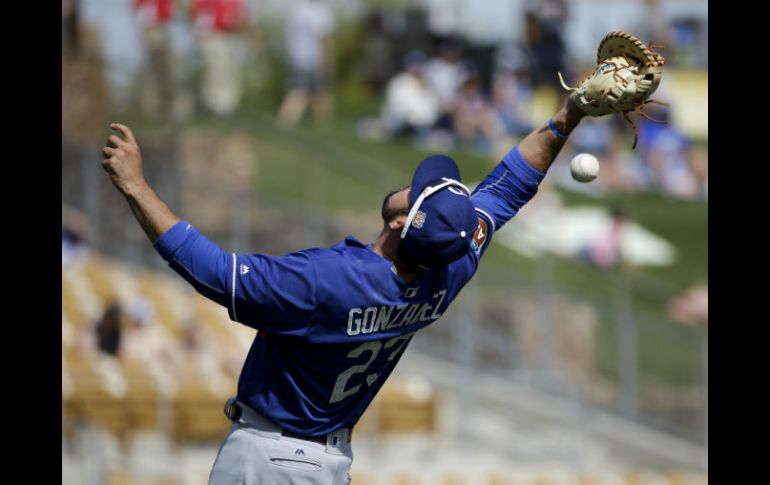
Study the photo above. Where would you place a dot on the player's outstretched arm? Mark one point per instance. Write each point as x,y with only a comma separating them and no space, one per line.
515,180
123,161
543,144
199,261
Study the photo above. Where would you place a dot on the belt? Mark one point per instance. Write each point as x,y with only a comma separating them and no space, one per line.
235,409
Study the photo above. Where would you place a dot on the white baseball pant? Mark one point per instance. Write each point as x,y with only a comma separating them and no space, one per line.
255,452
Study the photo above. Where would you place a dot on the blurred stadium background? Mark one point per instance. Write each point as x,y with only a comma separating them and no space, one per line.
578,354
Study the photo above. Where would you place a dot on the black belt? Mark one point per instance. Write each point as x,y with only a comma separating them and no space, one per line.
317,439
234,410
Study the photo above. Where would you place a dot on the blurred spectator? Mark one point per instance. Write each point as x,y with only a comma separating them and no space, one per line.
445,74
669,157
682,41
376,58
143,339
653,26
476,123
70,27
511,91
411,107
218,25
685,39
594,136
691,307
194,338
74,225
155,80
308,38
620,168
545,52
71,242
108,330
606,251
553,13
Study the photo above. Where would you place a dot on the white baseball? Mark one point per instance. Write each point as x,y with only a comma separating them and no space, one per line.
584,167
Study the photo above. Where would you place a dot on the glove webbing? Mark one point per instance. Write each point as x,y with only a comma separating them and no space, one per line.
638,109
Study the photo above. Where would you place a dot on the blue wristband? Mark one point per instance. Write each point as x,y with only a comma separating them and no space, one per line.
556,131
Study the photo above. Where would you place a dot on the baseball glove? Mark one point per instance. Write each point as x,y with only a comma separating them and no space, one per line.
627,73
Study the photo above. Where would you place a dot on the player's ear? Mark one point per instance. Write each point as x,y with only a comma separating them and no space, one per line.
397,223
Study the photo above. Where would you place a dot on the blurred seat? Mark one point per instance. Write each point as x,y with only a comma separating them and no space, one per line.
70,308
545,476
129,395
198,409
407,406
80,304
68,410
360,477
646,477
599,478
146,407
69,336
455,478
98,394
215,318
500,478
96,270
404,478
402,407
561,477
167,301
678,477
124,478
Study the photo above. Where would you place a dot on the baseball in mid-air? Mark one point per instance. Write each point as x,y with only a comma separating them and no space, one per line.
584,167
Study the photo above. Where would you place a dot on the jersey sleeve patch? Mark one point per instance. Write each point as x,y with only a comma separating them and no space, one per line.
480,236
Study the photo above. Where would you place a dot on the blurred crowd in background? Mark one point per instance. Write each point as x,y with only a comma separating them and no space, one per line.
439,87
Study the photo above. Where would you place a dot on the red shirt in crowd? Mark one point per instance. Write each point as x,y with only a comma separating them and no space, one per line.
217,15
154,12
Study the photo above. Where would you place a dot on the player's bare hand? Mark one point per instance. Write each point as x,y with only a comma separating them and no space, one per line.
123,160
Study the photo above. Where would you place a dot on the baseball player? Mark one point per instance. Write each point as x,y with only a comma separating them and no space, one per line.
333,322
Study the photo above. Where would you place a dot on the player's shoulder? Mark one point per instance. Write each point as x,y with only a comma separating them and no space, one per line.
349,248
349,262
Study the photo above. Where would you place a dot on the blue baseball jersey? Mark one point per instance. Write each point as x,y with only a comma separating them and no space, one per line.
333,322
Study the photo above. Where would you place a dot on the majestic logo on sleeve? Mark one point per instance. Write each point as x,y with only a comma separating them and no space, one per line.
480,236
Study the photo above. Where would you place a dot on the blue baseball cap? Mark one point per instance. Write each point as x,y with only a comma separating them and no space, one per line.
442,219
